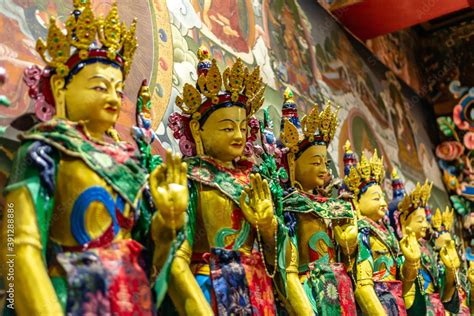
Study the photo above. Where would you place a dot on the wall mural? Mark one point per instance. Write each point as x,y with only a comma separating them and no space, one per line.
296,44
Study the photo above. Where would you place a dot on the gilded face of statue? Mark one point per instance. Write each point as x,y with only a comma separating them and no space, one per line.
310,167
372,203
224,134
417,222
94,94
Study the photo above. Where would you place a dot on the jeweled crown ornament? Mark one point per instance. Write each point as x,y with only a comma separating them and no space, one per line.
84,32
398,193
241,88
398,188
417,198
316,127
365,173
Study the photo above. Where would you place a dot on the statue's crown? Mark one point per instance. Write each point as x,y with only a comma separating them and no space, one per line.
365,172
316,127
444,222
84,32
241,88
417,198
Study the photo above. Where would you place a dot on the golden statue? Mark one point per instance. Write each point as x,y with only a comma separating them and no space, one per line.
408,215
83,206
444,256
324,282
217,269
376,266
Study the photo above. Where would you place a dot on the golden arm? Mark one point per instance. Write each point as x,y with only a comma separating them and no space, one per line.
451,261
365,292
409,273
34,292
449,284
411,252
268,235
162,236
297,299
183,289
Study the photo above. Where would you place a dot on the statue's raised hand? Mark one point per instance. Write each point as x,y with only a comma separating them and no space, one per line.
449,255
346,236
410,247
169,189
258,208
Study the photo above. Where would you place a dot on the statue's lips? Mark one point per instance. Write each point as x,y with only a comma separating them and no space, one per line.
112,109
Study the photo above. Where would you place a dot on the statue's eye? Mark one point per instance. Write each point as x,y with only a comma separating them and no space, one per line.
100,89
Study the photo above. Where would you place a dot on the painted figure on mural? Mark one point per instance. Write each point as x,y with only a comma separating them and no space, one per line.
84,208
231,21
407,148
292,46
217,269
376,266
321,223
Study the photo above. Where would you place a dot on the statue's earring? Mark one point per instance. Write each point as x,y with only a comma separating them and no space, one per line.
57,87
112,133
194,126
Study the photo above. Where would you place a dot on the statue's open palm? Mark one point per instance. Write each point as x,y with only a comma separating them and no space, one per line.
410,247
258,208
449,255
169,189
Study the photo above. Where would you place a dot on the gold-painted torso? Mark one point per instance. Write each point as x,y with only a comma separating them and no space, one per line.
381,252
74,177
308,225
215,212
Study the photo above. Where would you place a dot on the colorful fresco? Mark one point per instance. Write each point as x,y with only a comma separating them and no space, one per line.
398,52
296,44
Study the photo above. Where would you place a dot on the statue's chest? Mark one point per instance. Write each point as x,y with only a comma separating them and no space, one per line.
219,216
314,241
384,262
85,206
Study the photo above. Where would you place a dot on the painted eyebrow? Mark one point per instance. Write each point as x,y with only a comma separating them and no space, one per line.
230,120
104,78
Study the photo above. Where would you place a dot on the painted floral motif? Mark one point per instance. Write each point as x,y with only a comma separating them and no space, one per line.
230,182
121,169
300,202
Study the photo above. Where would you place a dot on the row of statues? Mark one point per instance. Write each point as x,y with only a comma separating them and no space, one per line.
239,224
